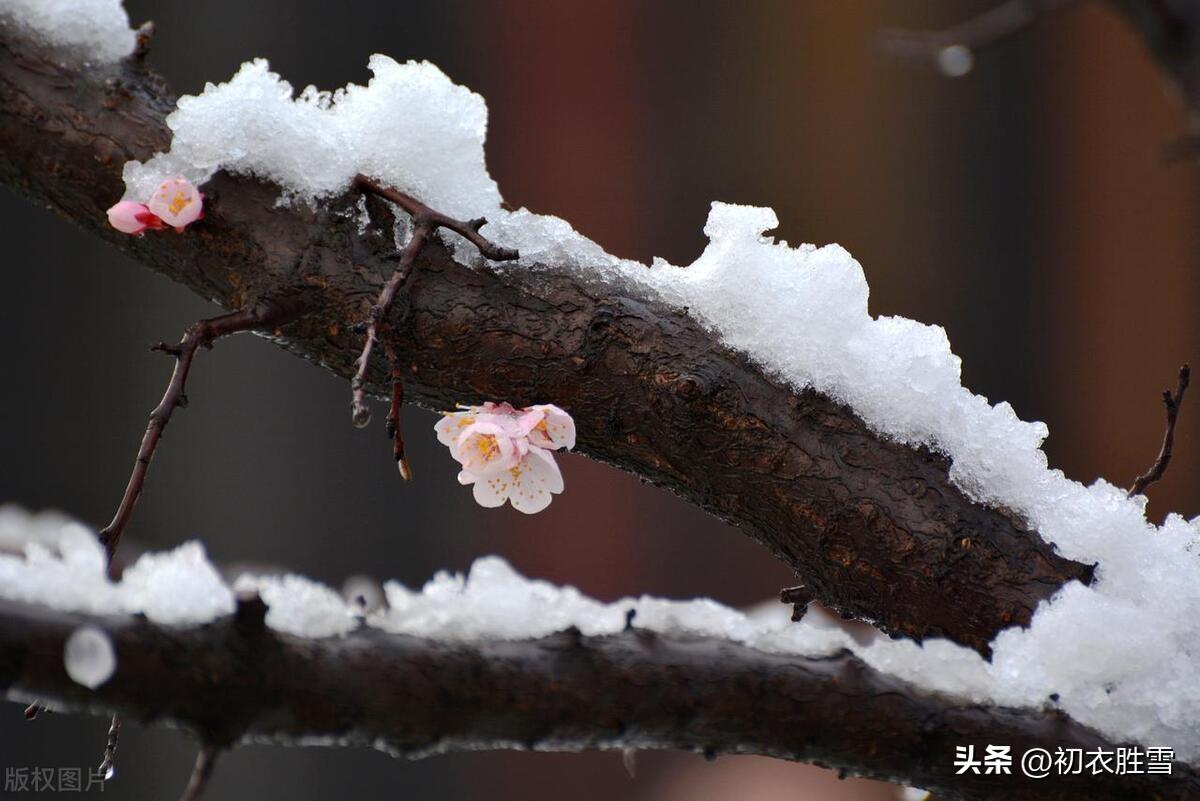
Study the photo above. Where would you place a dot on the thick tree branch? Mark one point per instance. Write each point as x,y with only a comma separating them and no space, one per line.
873,529
235,681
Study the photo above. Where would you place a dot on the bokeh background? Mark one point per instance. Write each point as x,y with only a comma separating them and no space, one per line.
1026,207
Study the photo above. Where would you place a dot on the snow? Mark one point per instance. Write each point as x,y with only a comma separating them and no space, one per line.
299,605
314,144
88,657
61,564
96,29
1136,685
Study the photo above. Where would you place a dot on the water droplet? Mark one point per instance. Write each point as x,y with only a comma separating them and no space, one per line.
88,657
955,61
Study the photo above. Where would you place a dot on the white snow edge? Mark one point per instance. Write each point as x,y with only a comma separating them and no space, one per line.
50,560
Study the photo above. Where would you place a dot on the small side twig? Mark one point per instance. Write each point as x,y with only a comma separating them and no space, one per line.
392,428
202,333
1172,401
200,773
952,50
107,764
799,597
426,222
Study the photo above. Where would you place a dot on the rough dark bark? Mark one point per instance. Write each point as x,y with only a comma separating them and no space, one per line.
874,529
235,680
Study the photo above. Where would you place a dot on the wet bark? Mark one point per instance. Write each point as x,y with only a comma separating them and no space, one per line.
236,680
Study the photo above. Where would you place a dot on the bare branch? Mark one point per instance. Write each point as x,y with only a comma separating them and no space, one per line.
202,333
108,764
1172,402
426,221
201,773
393,428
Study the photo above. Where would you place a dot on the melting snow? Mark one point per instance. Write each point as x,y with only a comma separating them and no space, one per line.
1135,686
97,29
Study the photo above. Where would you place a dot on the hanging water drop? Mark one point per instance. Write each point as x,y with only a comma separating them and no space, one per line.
89,657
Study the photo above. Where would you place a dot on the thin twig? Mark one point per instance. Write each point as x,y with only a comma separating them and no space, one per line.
393,428
800,597
425,222
202,333
1172,402
361,413
200,773
106,769
951,50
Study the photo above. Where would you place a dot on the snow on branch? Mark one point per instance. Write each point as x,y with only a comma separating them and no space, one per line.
236,680
872,523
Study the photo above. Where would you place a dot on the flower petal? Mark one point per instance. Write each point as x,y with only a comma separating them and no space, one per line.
128,217
555,430
492,492
485,449
535,479
540,465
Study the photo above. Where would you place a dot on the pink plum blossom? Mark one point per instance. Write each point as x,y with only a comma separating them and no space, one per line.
554,428
505,453
132,218
487,447
177,202
527,486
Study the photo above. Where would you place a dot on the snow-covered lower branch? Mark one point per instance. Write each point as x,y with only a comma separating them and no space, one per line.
236,680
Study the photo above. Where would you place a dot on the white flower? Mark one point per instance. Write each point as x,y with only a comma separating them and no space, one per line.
505,453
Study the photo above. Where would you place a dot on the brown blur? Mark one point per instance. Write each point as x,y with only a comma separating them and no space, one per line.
1025,207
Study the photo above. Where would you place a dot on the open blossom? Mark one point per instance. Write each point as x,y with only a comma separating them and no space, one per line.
132,218
505,453
176,203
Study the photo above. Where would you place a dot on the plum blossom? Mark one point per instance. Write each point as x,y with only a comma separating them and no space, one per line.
505,453
176,202
132,218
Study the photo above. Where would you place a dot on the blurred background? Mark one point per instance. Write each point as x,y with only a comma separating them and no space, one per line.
1026,207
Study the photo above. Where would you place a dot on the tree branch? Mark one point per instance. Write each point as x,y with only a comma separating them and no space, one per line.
198,335
1172,402
873,529
237,681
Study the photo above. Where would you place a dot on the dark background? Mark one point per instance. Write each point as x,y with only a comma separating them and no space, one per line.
1025,207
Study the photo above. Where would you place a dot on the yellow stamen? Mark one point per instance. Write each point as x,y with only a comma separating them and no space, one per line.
179,203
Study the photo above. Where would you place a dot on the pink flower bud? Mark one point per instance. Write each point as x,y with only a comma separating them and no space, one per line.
132,218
